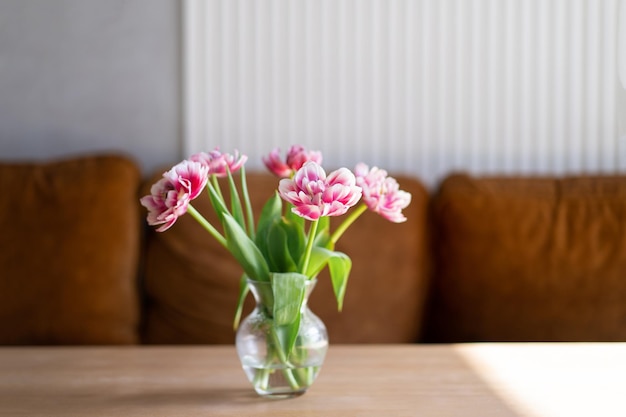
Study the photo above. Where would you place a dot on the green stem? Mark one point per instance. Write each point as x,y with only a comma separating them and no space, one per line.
309,246
261,378
244,289
216,186
347,222
246,200
208,226
293,383
216,198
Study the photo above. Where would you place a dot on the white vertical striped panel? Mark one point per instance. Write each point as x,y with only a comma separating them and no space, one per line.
621,45
422,87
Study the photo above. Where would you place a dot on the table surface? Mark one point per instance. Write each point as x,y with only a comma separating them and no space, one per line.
544,379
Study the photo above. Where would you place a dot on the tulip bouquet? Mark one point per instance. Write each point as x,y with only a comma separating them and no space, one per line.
292,240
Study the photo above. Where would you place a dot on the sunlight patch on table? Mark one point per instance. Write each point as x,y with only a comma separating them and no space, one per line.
553,380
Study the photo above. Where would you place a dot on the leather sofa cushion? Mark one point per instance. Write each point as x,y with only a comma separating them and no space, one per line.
70,245
192,282
529,259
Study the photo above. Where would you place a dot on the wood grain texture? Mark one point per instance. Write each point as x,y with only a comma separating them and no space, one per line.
357,380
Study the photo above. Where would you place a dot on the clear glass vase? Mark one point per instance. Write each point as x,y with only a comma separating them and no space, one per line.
272,371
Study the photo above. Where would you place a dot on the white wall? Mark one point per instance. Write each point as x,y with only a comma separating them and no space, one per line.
89,75
419,86
378,80
621,95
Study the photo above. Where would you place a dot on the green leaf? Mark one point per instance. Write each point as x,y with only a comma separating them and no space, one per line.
216,201
271,211
317,262
278,245
288,289
285,243
287,335
296,239
293,217
244,250
235,202
322,237
339,266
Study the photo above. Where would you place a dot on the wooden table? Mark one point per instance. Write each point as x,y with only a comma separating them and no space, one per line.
395,380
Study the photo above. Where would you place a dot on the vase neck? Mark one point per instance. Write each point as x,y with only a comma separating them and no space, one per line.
263,293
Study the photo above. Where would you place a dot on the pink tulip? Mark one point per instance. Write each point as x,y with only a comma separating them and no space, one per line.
274,163
382,193
297,156
170,196
220,163
315,195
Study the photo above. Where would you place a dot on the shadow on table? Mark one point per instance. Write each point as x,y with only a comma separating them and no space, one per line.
200,397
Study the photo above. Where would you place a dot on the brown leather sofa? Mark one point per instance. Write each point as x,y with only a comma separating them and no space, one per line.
480,259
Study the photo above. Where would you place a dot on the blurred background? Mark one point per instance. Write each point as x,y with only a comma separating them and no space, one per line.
422,87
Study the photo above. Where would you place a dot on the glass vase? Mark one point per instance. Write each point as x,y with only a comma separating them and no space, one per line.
273,372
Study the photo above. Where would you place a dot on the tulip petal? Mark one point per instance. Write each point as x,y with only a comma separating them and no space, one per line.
381,193
170,196
315,195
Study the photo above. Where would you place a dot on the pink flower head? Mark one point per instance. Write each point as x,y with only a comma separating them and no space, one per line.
220,163
274,163
382,193
315,195
170,196
297,156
